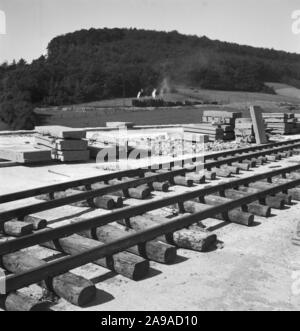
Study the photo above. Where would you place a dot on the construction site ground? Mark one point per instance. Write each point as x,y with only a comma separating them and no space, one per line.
255,268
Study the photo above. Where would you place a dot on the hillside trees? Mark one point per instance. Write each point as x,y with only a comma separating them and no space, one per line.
95,64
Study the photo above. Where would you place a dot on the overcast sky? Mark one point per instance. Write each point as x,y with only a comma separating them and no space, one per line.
31,24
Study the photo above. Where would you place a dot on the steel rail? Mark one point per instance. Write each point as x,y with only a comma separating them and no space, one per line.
127,212
140,171
65,264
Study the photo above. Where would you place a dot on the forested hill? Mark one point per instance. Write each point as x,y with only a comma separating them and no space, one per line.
91,65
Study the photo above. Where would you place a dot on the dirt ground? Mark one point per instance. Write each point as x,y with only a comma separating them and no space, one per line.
253,271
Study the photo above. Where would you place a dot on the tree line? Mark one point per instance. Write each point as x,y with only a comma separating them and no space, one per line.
96,64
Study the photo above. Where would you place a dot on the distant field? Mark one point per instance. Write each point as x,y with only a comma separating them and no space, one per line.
285,90
238,99
232,99
121,110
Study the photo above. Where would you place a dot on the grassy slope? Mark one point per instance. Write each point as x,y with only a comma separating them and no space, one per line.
285,90
234,101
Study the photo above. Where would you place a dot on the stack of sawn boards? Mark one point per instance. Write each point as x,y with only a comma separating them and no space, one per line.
66,144
281,123
25,154
244,131
208,131
224,120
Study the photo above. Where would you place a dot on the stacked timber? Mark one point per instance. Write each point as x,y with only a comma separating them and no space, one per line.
122,125
224,119
25,154
297,122
65,144
281,123
244,131
214,132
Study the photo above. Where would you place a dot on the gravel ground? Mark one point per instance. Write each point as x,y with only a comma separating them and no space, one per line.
253,271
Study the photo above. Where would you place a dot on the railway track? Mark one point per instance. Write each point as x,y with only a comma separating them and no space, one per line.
125,238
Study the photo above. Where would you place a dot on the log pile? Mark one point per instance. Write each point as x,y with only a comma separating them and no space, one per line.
281,123
66,144
222,119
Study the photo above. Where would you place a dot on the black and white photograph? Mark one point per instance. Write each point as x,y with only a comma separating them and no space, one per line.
149,158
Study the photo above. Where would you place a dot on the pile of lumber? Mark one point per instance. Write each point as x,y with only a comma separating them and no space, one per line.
25,154
213,132
224,120
66,144
297,122
281,123
122,125
244,131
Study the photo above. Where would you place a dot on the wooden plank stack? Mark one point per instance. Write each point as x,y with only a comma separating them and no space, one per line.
66,144
123,125
214,132
244,131
25,154
297,123
281,123
222,119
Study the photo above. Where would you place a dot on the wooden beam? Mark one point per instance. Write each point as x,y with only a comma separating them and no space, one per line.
69,286
58,131
258,125
124,263
25,154
18,301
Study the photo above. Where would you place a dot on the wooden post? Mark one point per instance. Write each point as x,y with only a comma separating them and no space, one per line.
234,216
197,178
152,250
69,286
158,186
273,202
16,228
178,180
38,223
232,169
242,166
252,163
118,200
104,202
210,175
253,208
222,172
294,192
261,185
215,200
18,301
124,263
139,193
185,238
